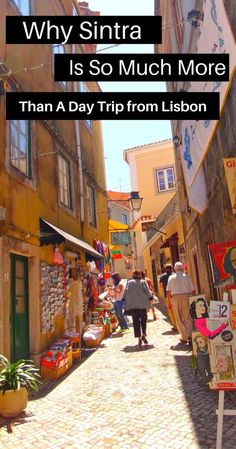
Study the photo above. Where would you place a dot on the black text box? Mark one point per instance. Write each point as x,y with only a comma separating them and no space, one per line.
112,106
115,31
141,67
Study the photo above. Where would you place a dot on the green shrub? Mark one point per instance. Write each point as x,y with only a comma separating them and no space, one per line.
14,376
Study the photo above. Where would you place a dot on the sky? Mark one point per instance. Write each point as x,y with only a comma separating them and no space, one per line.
119,135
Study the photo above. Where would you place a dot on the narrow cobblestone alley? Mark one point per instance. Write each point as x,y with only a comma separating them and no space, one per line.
124,397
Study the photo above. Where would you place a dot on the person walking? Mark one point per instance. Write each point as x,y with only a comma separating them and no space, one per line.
163,284
151,288
117,292
179,288
138,298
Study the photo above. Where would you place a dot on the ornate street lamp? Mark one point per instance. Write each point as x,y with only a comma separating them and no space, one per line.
135,201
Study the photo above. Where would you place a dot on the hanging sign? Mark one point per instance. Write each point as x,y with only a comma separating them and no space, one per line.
214,35
120,238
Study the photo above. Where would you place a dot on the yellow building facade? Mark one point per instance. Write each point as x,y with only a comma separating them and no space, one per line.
148,166
153,175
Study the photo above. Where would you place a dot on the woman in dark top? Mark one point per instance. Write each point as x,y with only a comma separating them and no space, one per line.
137,300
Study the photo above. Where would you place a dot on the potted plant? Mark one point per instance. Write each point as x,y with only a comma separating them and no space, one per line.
16,379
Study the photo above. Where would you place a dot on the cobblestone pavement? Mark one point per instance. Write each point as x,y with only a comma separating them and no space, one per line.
124,397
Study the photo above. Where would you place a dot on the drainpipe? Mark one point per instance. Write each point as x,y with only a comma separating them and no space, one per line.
81,181
78,146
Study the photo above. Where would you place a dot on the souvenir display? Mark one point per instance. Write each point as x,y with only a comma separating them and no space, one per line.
93,335
74,338
56,360
223,262
214,342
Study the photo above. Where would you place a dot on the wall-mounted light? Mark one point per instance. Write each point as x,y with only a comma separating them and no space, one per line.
135,201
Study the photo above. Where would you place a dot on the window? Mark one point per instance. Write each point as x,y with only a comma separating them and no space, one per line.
20,148
165,179
23,6
64,182
124,219
92,206
59,49
83,88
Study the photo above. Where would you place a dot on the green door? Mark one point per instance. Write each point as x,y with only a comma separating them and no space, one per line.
19,308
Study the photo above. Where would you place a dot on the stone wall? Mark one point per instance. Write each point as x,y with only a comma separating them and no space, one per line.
54,281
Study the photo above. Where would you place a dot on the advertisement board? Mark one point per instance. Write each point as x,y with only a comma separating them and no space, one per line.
120,238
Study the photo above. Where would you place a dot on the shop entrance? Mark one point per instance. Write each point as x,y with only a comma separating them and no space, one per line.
19,308
154,275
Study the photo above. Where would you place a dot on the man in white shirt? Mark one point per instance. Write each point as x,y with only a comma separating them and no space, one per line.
178,290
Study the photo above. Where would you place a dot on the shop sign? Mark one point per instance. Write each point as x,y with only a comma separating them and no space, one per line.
120,238
230,173
223,262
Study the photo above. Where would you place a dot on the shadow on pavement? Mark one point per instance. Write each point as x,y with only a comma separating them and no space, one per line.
170,332
48,385
202,403
181,347
116,335
10,423
136,348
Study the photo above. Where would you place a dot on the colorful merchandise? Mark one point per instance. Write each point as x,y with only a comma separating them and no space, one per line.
214,345
223,262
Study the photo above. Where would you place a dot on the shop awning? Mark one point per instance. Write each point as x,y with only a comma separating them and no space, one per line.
117,226
52,234
170,240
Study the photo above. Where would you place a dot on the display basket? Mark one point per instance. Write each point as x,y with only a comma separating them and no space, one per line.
76,354
70,358
103,333
53,373
93,343
107,329
68,334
